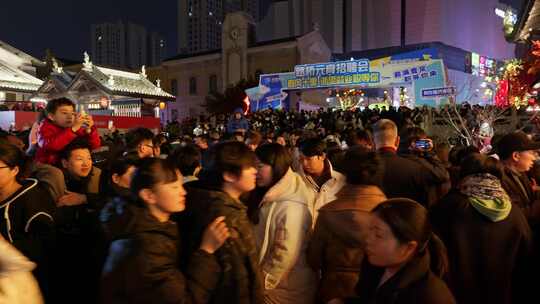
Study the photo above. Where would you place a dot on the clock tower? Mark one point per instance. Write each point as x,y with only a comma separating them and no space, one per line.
237,31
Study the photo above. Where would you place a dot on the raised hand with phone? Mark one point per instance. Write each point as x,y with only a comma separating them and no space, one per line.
61,126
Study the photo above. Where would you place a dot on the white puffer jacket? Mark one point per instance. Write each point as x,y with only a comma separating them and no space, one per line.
17,285
282,237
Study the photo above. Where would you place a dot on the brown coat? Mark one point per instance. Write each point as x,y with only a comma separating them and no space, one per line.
336,248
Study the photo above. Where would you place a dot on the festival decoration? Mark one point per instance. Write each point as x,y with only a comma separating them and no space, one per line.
516,86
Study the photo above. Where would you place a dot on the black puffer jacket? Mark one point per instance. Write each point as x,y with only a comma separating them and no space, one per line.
28,223
414,283
240,279
143,265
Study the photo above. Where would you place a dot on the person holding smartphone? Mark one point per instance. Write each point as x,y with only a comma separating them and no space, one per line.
61,126
420,149
421,174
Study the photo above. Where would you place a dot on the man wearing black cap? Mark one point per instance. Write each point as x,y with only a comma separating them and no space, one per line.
518,153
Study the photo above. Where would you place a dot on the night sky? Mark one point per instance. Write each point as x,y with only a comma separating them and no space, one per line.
64,25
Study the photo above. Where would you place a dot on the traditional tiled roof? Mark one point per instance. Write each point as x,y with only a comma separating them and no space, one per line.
61,80
13,79
123,83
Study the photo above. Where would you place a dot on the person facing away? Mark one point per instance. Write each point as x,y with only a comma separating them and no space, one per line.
488,238
61,126
418,147
336,249
142,265
318,174
283,229
402,177
228,173
405,259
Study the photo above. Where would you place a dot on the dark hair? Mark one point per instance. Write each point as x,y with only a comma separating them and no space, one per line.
76,144
358,135
362,167
313,147
409,136
477,163
13,157
413,134
159,139
458,154
409,221
229,156
135,137
278,157
186,158
152,172
54,104
121,165
255,138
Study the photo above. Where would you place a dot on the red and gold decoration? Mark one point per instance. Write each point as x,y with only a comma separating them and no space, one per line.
516,86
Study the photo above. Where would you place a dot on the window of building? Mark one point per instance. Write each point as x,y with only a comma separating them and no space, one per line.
174,87
212,84
193,86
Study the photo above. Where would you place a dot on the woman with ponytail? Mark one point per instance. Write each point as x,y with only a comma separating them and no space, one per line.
406,260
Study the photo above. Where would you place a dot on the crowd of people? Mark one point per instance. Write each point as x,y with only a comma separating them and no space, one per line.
277,207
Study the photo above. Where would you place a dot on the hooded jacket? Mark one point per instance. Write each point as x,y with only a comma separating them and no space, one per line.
486,257
240,279
282,237
336,248
28,223
143,266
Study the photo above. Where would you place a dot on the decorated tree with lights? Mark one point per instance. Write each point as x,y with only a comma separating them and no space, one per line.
518,84
515,85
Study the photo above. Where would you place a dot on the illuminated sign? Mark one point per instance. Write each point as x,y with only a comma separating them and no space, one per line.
320,75
438,92
482,65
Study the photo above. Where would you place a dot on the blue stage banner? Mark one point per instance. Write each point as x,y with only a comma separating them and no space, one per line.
321,75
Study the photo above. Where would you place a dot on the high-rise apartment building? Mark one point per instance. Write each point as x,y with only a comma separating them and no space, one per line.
109,44
355,25
200,22
125,45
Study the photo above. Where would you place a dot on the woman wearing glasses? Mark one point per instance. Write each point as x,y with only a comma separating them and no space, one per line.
27,209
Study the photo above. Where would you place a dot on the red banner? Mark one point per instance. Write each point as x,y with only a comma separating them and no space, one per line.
24,120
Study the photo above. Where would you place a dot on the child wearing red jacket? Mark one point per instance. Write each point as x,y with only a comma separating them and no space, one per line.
61,127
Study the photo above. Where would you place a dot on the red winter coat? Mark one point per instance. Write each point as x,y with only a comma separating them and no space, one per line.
52,139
